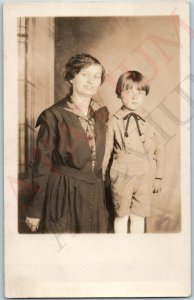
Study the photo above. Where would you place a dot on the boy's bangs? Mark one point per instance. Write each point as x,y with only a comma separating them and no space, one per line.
127,85
128,79
142,85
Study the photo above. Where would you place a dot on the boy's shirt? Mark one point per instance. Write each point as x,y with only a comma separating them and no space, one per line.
144,149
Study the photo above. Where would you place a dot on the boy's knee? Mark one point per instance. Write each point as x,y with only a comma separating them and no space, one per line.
136,217
120,218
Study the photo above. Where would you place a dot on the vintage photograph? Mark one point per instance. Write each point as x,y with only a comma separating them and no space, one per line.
97,149
99,96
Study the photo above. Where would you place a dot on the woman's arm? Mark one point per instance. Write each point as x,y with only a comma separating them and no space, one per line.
109,146
46,141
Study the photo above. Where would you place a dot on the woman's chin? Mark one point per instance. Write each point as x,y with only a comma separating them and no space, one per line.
89,93
131,108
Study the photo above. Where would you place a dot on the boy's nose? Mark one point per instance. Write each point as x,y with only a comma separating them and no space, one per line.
135,95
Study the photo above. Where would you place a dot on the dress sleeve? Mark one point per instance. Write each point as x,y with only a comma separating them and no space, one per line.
160,155
45,145
102,113
109,145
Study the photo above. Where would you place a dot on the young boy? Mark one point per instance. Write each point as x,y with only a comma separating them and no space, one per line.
138,155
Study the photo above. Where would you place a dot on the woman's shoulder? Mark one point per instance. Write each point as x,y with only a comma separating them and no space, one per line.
100,110
51,113
112,122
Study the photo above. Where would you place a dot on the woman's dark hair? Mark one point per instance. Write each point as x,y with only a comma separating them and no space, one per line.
133,76
78,62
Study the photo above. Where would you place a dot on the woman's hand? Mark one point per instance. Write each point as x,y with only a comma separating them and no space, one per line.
32,223
157,185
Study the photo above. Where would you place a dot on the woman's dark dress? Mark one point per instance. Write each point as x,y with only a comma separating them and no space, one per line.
67,195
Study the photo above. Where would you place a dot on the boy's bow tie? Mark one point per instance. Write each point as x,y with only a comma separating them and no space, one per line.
136,118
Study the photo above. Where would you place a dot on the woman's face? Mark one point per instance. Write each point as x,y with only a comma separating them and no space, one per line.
87,81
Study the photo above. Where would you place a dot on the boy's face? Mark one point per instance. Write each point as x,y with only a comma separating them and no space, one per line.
132,96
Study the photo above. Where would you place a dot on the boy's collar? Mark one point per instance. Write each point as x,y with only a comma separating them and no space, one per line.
123,111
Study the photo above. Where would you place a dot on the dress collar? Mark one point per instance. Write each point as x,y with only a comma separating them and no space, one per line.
69,105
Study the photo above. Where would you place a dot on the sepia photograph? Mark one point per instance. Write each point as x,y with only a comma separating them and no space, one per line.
72,126
98,156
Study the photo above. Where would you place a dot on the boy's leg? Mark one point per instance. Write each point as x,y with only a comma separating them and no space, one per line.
121,224
141,202
122,190
137,224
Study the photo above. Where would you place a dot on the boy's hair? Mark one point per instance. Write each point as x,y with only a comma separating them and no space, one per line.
133,76
78,62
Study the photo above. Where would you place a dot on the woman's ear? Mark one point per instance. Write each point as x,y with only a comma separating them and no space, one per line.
70,81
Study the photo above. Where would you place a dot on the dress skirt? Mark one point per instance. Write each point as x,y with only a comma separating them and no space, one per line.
74,204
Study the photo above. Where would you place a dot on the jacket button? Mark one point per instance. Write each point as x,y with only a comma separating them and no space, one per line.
91,193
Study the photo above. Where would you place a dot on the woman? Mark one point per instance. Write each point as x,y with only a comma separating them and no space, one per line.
67,177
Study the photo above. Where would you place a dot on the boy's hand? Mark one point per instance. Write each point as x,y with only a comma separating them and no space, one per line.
157,185
32,223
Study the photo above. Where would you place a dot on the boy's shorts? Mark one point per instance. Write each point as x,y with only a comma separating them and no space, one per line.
132,192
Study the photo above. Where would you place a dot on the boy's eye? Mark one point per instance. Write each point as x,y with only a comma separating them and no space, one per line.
129,91
140,92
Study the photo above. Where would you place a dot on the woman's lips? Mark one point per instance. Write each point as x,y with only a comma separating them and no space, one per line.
89,87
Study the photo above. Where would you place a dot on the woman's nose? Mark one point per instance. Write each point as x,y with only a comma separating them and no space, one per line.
90,79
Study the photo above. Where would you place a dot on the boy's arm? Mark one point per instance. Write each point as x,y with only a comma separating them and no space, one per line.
108,146
160,156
